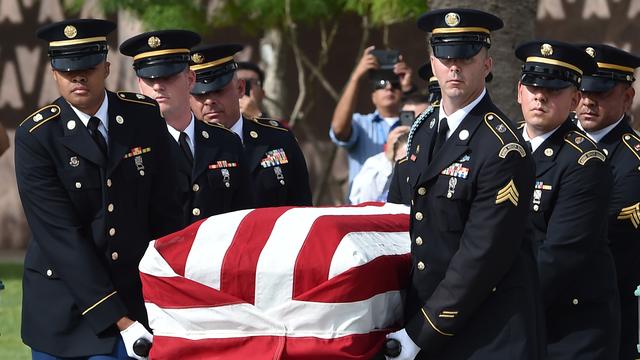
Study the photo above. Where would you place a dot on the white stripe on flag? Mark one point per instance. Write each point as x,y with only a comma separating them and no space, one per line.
210,246
295,319
154,264
359,248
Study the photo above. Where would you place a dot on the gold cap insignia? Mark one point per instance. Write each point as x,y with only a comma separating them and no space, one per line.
591,51
546,49
70,31
153,42
452,19
197,58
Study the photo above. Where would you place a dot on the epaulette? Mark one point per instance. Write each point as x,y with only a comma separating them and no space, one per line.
136,98
41,116
271,123
520,124
402,160
216,125
586,147
633,143
505,135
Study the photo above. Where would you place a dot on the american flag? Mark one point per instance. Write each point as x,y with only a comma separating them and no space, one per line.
279,283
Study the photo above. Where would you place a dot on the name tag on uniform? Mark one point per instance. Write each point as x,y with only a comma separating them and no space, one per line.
274,158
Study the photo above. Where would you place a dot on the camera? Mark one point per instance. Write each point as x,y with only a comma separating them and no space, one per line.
247,87
407,118
386,58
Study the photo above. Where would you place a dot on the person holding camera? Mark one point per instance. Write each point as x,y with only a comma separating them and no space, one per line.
251,103
363,135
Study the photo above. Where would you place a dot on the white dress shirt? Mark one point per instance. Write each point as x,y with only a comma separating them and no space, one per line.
454,120
599,134
189,130
538,140
237,128
102,114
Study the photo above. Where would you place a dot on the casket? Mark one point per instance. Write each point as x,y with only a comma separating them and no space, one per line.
279,283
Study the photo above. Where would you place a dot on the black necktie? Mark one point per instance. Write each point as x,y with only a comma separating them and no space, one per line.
186,150
92,126
529,146
443,127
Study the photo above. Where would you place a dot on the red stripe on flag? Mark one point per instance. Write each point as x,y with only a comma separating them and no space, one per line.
352,347
175,248
314,259
254,348
179,292
238,272
380,275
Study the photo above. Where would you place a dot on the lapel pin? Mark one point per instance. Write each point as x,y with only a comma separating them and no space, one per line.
71,124
205,134
254,134
432,123
548,152
119,119
464,135
73,161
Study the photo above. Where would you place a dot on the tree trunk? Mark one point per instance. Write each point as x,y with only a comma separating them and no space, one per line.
519,25
272,55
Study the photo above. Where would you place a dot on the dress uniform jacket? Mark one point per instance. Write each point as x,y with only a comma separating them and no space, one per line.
91,219
568,221
622,147
218,181
399,189
276,164
472,292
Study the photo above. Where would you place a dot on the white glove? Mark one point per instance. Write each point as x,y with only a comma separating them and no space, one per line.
408,350
134,332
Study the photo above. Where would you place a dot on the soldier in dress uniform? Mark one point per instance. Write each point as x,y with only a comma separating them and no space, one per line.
277,168
213,169
569,205
602,111
472,293
94,176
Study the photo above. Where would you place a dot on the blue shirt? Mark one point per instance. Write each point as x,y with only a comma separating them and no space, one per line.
368,134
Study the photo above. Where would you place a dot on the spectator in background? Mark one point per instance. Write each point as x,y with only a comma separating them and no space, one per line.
416,102
4,140
372,182
251,104
363,135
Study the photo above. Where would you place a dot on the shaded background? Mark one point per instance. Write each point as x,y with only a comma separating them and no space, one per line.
26,84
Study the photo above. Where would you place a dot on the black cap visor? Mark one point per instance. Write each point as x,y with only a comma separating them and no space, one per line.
597,84
77,62
456,50
209,84
160,70
543,81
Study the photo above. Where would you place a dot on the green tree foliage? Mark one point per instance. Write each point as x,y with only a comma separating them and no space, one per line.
256,15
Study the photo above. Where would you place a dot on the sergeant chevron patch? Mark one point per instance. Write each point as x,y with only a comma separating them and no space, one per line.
632,213
508,193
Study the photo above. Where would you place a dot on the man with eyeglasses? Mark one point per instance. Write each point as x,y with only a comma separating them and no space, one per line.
363,135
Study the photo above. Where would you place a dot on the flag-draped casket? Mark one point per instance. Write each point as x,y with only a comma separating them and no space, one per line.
279,283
